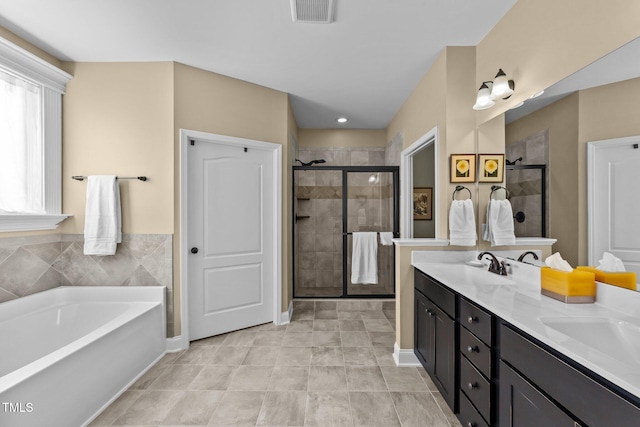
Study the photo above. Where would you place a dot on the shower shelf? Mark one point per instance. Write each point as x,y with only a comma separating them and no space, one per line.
303,198
298,217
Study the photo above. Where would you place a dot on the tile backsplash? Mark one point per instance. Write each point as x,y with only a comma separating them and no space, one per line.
37,263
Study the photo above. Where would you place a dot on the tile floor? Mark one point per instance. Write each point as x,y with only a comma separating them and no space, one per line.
331,366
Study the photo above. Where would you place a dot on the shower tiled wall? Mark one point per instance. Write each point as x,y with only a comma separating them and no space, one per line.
344,156
37,263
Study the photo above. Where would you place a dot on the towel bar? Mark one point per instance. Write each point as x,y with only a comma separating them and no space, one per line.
82,178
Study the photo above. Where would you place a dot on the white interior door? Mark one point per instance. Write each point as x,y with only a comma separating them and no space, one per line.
614,205
231,234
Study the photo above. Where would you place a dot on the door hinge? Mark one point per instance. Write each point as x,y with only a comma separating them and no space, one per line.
245,149
192,141
635,146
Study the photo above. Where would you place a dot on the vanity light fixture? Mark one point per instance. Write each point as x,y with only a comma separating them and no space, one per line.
537,94
341,120
484,101
502,86
490,91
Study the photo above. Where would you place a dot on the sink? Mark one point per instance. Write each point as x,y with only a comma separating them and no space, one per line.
463,274
615,338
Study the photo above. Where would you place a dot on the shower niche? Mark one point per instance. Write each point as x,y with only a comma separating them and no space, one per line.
330,204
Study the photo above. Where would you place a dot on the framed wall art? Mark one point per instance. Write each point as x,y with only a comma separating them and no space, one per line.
423,203
491,167
463,168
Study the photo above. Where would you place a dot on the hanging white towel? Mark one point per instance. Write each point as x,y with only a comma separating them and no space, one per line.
462,223
499,229
102,223
386,238
364,258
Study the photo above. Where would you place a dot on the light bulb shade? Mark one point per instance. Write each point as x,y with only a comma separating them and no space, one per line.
502,86
483,100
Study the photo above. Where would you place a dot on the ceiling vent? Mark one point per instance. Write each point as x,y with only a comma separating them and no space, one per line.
312,11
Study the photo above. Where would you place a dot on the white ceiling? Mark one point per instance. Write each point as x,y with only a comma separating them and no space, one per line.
364,65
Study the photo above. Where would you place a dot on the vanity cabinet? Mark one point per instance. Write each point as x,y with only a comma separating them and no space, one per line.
477,373
435,340
556,391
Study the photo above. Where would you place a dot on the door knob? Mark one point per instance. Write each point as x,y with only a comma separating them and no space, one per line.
194,250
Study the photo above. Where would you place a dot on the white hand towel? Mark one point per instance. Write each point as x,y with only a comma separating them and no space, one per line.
102,223
386,238
364,258
462,223
500,223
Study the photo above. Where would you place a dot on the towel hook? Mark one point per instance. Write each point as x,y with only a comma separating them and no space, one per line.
460,188
498,187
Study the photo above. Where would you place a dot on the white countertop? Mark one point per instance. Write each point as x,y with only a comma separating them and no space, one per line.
519,302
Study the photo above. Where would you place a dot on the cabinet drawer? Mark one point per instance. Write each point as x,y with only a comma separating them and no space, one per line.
590,401
476,387
441,296
476,351
468,415
476,320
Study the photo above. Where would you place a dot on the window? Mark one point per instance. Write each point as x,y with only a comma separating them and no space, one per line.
30,140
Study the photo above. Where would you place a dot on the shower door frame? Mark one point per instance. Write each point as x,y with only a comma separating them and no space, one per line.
395,171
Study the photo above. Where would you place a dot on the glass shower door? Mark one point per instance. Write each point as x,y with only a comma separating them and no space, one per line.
370,207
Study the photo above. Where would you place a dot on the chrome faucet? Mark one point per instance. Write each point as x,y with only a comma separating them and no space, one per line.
524,254
495,266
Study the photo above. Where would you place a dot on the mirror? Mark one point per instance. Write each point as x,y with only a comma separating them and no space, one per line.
596,103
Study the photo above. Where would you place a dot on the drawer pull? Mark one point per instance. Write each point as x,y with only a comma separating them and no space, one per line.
472,319
472,386
473,349
430,313
471,424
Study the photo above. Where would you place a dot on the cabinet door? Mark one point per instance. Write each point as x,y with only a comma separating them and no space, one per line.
521,405
444,364
423,337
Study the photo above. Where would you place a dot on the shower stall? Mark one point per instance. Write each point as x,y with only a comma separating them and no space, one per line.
527,186
330,204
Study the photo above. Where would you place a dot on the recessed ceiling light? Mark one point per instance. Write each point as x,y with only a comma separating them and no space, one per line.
341,120
535,95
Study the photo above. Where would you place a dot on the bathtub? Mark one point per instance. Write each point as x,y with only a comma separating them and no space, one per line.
67,353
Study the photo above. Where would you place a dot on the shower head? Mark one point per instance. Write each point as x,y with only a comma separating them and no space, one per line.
509,162
312,162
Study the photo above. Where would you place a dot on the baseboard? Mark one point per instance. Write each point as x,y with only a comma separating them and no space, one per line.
176,344
285,316
405,357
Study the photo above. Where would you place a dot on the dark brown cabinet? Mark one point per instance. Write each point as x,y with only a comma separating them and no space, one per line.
435,336
522,405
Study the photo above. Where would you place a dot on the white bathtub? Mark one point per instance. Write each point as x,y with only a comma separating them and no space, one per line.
65,354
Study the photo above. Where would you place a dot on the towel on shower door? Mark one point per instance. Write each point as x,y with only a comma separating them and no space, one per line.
102,223
364,258
499,228
462,223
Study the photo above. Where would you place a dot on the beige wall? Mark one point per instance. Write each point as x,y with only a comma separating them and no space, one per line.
118,120
540,42
326,138
561,118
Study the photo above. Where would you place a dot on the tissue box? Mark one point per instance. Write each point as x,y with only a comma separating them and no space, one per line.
626,280
575,287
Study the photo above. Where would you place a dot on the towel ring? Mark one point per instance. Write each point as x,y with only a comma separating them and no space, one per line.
498,187
460,188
